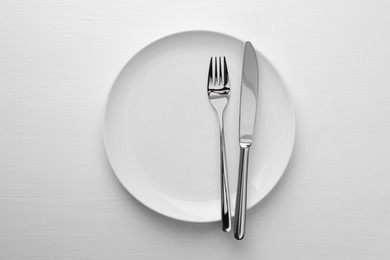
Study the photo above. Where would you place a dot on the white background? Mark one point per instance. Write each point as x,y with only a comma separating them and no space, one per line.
59,198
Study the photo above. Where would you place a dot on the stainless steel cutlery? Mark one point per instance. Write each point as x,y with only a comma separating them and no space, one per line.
248,107
218,89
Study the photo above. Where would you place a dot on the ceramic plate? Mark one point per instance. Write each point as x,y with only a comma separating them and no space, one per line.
161,133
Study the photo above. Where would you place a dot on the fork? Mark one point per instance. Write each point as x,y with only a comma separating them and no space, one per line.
218,89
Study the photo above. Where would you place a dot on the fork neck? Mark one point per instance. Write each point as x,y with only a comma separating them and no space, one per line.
221,121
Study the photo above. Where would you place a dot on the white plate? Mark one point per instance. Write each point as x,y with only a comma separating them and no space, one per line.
161,133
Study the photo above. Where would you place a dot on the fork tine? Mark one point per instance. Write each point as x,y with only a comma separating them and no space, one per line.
225,72
210,77
220,82
216,71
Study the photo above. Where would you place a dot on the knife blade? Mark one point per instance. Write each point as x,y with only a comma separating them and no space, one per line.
248,109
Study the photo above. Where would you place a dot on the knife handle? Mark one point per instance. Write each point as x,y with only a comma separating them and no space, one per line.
242,193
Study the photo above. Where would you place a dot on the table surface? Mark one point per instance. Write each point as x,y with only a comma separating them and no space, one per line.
59,198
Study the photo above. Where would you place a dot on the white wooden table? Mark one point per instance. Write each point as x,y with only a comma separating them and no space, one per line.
59,198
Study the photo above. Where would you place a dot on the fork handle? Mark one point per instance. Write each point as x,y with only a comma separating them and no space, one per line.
225,195
241,200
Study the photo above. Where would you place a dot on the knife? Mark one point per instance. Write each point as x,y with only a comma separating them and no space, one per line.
248,107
